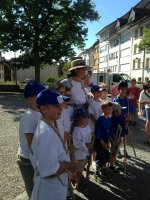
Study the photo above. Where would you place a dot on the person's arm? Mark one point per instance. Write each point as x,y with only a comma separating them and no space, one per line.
64,167
29,137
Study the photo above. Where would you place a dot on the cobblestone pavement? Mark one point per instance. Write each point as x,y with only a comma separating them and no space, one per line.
135,186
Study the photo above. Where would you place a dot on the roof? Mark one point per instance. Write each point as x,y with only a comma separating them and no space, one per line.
142,10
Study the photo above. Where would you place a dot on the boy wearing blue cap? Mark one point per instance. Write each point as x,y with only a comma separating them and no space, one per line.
49,156
124,102
27,126
102,143
82,144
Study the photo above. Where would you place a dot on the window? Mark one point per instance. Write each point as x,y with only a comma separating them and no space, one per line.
141,31
96,50
101,78
146,79
133,64
136,33
116,78
96,62
116,42
136,49
147,63
139,64
102,49
125,37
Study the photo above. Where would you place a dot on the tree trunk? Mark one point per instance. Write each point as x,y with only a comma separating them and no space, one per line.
37,68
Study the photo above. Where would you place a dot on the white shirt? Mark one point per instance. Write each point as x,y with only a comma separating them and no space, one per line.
28,124
95,108
144,97
47,152
81,136
64,123
78,93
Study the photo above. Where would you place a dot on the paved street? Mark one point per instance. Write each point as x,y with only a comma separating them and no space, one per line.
135,186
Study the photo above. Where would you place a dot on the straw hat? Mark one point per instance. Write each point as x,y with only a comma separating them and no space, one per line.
78,64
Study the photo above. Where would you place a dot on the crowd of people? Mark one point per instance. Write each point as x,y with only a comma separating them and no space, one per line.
66,127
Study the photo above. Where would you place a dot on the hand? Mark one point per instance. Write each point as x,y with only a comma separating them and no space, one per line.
140,113
89,146
73,166
67,137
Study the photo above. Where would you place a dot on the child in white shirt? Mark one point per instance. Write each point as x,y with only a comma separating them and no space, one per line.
82,144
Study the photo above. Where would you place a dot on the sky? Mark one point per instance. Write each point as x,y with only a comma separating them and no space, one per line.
109,11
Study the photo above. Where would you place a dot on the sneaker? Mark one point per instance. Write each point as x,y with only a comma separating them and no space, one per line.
114,169
119,155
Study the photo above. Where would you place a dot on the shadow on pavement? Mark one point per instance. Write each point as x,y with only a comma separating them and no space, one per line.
14,104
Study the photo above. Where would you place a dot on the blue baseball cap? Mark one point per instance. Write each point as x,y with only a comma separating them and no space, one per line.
96,88
81,112
49,96
32,89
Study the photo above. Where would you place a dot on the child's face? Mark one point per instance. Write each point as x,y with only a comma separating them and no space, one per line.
107,110
80,72
61,90
104,94
52,112
133,83
32,102
117,113
97,94
83,121
123,91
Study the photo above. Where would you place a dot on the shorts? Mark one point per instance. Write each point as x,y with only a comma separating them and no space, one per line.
82,164
102,154
147,110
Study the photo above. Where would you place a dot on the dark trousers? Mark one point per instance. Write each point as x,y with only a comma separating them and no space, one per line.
102,154
27,173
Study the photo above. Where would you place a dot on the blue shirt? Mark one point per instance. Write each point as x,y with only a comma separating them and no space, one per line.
120,120
124,102
103,128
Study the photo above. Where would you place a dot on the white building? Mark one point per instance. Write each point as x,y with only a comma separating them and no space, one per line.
118,48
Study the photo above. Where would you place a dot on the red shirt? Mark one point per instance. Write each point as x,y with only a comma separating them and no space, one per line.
134,94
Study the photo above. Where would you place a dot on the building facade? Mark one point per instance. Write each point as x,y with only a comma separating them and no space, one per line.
118,44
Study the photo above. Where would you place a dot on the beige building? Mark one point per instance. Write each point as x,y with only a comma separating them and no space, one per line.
96,55
29,73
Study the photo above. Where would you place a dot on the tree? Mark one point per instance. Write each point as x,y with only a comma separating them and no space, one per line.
145,42
44,31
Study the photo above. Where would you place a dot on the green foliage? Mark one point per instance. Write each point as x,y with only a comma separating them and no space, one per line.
145,42
66,68
50,80
44,31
